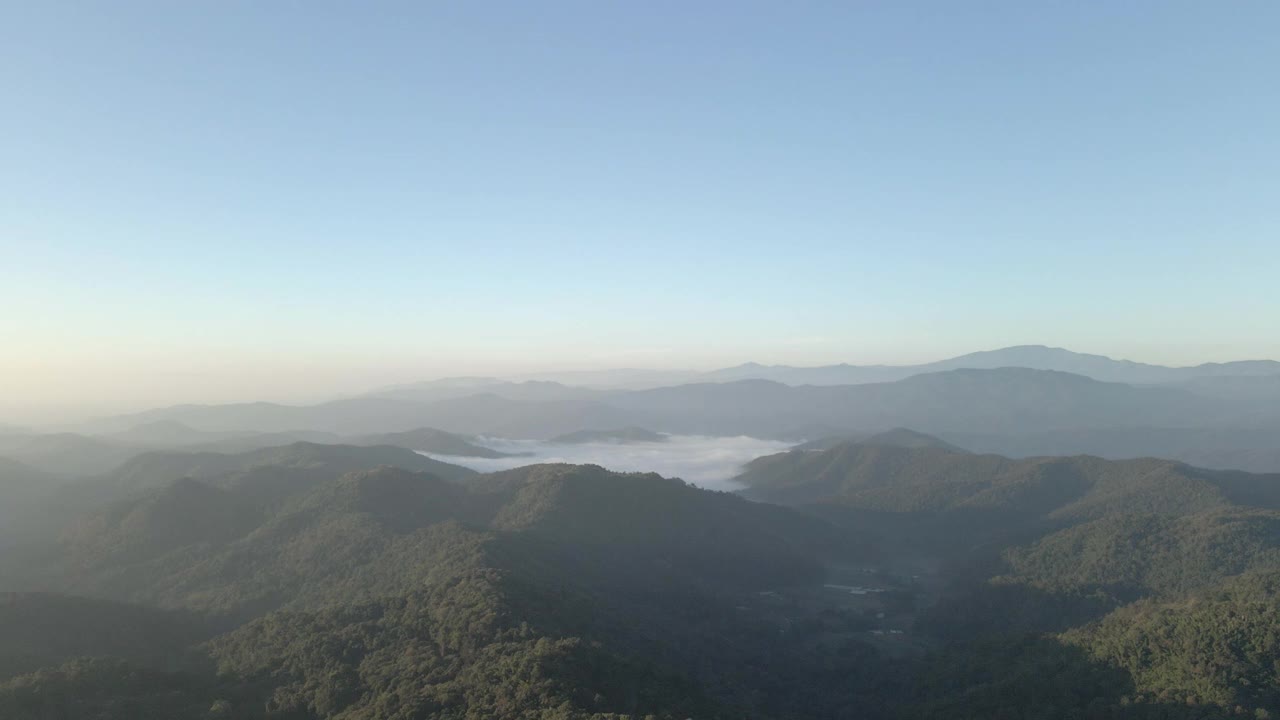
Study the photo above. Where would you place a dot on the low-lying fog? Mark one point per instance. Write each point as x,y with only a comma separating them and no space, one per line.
708,462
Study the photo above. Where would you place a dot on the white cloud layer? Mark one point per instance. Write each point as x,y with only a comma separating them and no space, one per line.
708,462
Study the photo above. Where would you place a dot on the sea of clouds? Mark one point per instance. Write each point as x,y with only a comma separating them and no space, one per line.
708,462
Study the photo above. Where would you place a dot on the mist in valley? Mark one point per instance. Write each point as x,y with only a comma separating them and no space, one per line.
708,462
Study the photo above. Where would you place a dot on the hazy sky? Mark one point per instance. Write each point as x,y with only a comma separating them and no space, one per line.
284,200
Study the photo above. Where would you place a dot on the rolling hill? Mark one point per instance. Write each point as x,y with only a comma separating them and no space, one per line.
156,468
571,591
198,543
1228,447
269,474
1088,555
558,590
898,479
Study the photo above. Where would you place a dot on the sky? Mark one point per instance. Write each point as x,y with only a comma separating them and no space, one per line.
218,201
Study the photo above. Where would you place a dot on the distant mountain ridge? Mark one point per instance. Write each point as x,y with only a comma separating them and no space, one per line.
1019,400
997,404
1036,357
1005,400
1252,448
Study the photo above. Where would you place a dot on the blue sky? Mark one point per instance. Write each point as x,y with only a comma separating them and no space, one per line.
224,200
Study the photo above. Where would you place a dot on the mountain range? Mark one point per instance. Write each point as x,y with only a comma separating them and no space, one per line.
1220,415
1038,357
996,400
889,577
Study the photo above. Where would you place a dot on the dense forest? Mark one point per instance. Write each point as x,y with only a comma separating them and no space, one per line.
889,577
1142,588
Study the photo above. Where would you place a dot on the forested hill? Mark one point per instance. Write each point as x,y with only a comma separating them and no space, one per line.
151,469
893,478
548,591
231,546
1163,572
906,582
1118,529
47,506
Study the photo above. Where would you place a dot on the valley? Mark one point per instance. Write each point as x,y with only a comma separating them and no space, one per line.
618,571
892,558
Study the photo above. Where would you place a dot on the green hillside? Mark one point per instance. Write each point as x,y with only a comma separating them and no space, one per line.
1134,560
902,583
548,591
